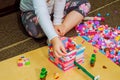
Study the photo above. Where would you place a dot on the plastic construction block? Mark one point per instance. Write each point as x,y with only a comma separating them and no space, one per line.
27,62
20,62
118,27
107,14
86,38
43,74
74,52
95,18
99,14
102,51
56,75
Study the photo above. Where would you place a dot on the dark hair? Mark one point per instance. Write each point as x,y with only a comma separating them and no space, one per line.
48,1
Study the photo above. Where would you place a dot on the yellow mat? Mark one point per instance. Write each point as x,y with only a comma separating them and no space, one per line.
39,58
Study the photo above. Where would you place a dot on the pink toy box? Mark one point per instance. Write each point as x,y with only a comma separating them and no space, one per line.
74,53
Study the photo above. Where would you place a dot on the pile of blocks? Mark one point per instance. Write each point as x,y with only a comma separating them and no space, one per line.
74,53
23,61
104,37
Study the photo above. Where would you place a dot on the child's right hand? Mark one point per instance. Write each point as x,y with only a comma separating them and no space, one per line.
60,30
58,47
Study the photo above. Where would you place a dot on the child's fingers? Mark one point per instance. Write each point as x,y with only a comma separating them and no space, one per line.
60,52
58,32
63,50
62,32
57,55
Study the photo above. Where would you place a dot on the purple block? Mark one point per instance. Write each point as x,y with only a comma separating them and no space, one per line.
95,38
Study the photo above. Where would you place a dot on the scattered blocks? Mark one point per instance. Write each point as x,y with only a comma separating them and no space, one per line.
102,37
23,61
74,52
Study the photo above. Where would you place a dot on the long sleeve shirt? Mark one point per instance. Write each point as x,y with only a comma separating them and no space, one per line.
43,10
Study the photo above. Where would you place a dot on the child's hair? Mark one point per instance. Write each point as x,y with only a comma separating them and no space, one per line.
48,1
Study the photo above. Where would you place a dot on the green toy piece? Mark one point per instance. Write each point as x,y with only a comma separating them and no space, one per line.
85,71
27,63
43,74
92,60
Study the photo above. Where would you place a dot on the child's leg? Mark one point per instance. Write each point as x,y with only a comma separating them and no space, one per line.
71,20
75,14
31,25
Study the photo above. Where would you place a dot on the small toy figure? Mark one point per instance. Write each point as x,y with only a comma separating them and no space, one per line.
92,60
43,74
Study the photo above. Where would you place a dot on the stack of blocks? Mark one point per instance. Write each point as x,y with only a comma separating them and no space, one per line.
74,53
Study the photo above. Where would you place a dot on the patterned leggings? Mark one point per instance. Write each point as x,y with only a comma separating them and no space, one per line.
32,26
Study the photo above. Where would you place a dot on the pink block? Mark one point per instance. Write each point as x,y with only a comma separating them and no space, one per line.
20,64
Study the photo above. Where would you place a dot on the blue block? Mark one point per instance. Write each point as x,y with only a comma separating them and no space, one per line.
59,66
99,14
86,38
52,59
114,60
112,52
118,53
78,46
102,51
80,51
93,43
118,27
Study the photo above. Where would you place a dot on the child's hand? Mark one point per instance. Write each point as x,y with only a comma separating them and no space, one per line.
60,30
58,47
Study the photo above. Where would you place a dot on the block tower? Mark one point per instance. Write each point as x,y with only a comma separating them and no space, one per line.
75,52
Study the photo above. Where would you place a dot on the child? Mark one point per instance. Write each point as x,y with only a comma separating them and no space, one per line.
67,14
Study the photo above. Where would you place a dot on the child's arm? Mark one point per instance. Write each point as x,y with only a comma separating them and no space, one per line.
58,11
44,20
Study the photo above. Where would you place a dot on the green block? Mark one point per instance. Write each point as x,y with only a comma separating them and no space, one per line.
27,63
43,73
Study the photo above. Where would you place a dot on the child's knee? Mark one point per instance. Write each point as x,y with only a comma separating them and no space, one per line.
84,8
36,35
81,6
32,31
